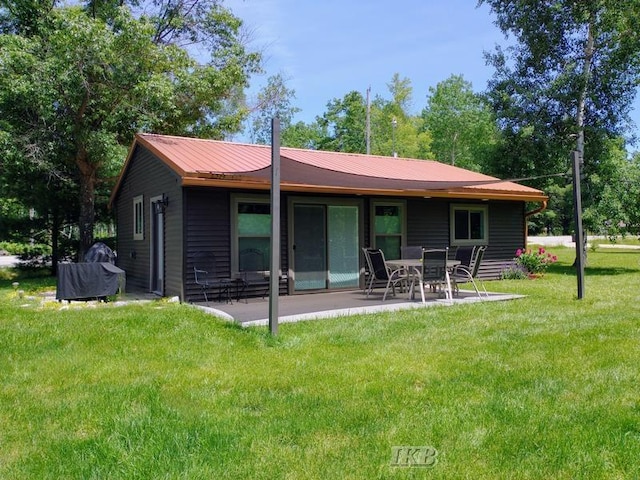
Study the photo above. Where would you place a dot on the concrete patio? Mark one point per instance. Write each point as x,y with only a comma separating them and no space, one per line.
295,308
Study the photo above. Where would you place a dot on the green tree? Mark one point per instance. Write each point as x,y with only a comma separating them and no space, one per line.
573,66
394,128
461,124
345,124
303,135
566,83
343,127
616,209
77,82
274,100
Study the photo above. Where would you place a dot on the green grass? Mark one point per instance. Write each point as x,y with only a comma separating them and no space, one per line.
543,387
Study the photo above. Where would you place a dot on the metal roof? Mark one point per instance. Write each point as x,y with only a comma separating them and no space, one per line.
239,165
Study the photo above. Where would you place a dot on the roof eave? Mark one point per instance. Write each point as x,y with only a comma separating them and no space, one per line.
255,184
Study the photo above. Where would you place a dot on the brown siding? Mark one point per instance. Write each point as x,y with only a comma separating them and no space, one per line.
148,176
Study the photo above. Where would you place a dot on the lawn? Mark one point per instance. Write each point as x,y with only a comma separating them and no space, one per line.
538,388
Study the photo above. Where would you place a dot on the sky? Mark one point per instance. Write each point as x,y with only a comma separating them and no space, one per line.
327,48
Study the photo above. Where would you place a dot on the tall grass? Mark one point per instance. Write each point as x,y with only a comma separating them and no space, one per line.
543,387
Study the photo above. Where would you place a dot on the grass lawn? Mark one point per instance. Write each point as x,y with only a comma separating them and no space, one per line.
539,388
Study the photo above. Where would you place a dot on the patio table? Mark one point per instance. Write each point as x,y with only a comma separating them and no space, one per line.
412,265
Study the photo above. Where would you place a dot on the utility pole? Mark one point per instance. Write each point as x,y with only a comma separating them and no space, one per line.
368,132
394,124
577,206
274,275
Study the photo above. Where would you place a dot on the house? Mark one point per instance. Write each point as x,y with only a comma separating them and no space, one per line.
176,197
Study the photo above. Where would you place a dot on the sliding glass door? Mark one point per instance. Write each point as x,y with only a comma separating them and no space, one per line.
309,247
344,265
325,246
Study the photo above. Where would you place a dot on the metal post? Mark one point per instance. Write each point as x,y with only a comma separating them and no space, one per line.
368,133
274,276
577,205
394,124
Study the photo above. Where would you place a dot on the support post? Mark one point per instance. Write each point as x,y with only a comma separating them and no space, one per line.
274,276
577,205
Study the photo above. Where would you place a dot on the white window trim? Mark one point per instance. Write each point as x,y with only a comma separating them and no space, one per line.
235,200
403,220
452,225
138,210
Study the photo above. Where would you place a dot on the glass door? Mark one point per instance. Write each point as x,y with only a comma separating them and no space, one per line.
343,246
325,246
309,247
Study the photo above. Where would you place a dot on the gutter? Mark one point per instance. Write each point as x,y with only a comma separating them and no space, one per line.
537,210
541,208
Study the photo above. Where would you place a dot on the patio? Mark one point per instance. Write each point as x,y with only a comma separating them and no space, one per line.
295,308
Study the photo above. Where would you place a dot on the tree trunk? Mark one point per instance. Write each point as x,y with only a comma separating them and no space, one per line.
55,229
586,74
86,219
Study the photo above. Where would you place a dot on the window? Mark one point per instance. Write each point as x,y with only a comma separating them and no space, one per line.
252,235
469,225
138,218
388,228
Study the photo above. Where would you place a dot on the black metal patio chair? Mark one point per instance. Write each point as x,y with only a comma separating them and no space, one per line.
253,272
379,271
469,273
206,276
411,251
433,273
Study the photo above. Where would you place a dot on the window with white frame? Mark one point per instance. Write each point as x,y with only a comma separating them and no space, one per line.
138,217
388,227
252,232
469,225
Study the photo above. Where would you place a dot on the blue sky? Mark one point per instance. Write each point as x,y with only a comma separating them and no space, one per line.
325,49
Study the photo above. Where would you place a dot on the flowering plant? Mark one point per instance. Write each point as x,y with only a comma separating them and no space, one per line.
535,262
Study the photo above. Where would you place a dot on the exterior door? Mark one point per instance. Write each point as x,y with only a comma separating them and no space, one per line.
309,247
157,246
325,246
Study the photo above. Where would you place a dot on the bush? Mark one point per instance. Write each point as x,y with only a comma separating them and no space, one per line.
514,272
534,262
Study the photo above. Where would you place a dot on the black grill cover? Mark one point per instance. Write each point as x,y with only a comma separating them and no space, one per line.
99,252
76,281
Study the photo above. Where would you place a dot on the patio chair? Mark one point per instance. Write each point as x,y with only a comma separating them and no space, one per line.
469,274
253,272
433,273
464,255
411,251
204,270
378,270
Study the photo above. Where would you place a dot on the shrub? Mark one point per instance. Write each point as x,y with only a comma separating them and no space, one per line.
534,262
514,272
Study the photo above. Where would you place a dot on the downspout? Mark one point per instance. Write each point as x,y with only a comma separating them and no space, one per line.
529,214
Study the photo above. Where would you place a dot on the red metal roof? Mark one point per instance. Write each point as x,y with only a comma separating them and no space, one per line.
217,163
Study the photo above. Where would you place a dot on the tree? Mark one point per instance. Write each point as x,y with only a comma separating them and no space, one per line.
461,124
273,101
77,82
303,135
394,129
344,123
567,83
616,210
